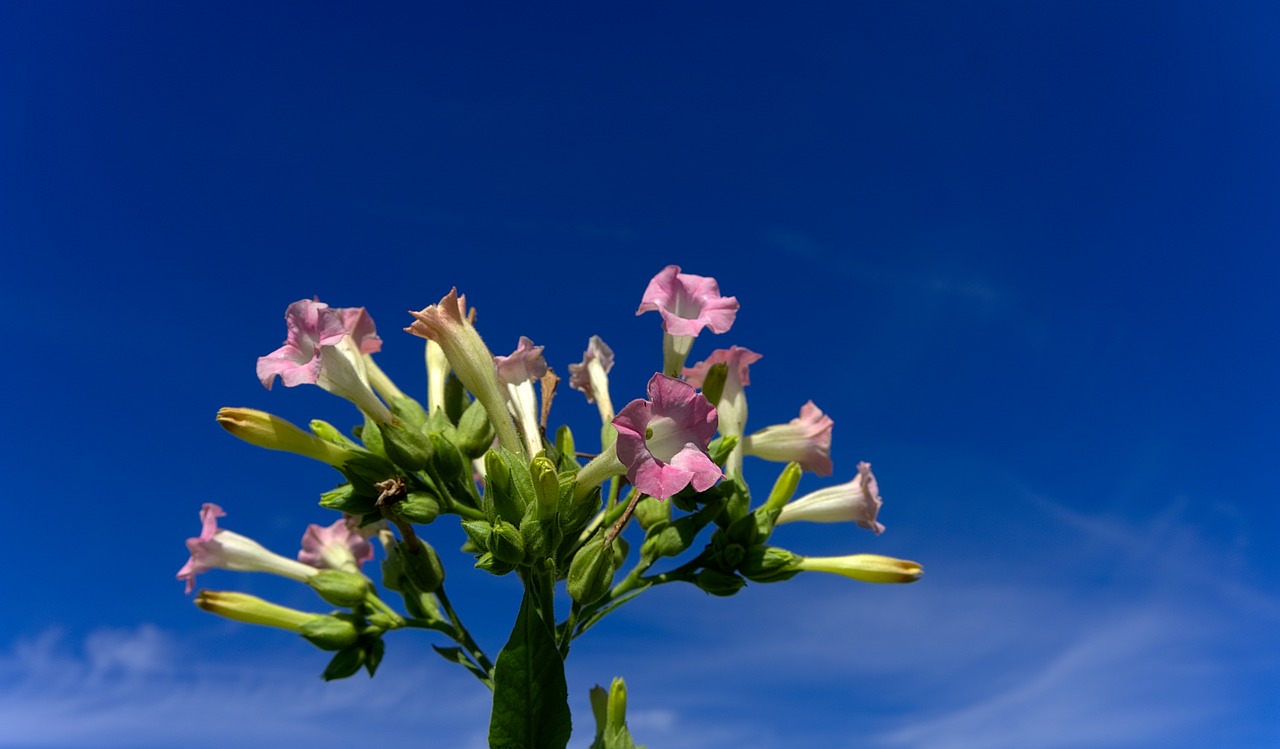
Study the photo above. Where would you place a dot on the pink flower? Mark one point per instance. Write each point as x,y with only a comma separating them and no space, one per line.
517,372
805,440
663,441
591,376
325,347
221,549
582,378
858,501
738,358
732,406
337,547
688,303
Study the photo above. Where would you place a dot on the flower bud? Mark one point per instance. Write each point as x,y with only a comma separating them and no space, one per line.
546,487
418,507
405,445
252,610
274,433
346,499
477,532
650,511
718,583
871,568
769,564
591,571
506,543
423,568
491,564
329,632
475,433
341,588
500,491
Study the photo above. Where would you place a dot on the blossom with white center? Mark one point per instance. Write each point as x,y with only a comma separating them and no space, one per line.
337,547
687,303
663,441
325,347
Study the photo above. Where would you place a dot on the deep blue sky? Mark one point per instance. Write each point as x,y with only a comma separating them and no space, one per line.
1024,253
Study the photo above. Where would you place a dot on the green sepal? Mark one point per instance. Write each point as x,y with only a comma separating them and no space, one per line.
329,433
566,451
713,382
371,437
720,448
373,656
345,662
477,532
491,564
330,632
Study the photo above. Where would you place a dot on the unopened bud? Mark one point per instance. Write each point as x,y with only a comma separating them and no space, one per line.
274,433
422,568
329,632
475,433
718,583
418,507
591,571
506,543
546,487
650,511
769,564
406,446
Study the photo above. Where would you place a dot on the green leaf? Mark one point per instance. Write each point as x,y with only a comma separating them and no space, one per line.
530,696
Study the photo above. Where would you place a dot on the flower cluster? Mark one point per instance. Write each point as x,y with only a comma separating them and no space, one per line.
481,450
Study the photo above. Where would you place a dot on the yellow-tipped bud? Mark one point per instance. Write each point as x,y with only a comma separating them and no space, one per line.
274,433
871,568
252,610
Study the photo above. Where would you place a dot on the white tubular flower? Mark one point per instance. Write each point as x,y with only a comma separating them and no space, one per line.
858,501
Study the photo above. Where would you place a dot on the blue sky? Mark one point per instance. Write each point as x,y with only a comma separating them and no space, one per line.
1023,253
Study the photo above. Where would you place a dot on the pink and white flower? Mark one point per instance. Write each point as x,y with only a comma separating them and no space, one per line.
687,304
325,346
857,501
517,373
336,547
805,440
732,406
591,376
663,441
215,548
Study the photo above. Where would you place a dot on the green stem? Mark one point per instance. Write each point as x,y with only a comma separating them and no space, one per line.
462,636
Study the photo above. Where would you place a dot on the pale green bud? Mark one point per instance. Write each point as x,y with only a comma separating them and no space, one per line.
274,433
591,571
